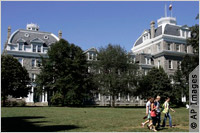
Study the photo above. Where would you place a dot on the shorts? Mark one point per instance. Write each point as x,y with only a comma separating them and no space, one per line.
149,116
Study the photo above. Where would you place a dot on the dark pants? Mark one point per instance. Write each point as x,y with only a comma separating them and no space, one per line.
158,118
154,119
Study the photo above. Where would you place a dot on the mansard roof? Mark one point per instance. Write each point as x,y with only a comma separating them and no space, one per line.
172,30
30,36
91,49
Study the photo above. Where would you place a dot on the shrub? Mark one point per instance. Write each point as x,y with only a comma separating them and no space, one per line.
57,99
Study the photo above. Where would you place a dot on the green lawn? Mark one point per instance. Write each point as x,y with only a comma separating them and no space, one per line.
84,119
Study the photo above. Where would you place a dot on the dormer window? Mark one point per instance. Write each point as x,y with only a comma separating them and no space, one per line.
46,37
20,46
39,49
26,35
34,48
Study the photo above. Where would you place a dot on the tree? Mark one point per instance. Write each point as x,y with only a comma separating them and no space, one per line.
156,82
113,72
14,78
190,62
64,74
179,88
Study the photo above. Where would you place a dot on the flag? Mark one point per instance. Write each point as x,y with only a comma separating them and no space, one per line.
170,7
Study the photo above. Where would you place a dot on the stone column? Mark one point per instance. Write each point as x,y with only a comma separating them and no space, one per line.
46,96
99,96
42,97
88,56
92,56
128,97
31,94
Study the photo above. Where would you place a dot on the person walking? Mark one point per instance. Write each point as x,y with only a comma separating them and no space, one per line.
153,115
158,114
166,108
147,112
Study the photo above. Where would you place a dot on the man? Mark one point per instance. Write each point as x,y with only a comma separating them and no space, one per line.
148,110
157,104
166,112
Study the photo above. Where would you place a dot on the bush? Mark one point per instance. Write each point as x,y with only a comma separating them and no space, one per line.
15,103
57,99
21,103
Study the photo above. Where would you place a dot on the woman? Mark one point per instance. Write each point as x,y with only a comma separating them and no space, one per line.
166,112
153,115
148,108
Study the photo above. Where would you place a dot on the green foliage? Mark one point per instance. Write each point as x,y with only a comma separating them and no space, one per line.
180,87
113,72
14,78
190,62
156,82
65,72
57,99
15,103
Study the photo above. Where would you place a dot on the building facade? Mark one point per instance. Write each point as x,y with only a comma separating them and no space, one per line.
28,45
164,46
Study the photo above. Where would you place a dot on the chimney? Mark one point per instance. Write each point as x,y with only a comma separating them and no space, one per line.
9,32
152,29
59,34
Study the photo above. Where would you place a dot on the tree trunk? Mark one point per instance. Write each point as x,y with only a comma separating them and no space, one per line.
113,101
4,100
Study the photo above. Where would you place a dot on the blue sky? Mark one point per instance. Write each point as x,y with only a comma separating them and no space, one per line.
93,24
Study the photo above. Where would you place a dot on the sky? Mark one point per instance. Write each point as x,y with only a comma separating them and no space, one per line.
93,24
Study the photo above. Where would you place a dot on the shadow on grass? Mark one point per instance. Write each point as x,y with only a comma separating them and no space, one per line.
21,124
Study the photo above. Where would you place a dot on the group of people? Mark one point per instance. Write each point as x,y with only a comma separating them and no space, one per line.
153,113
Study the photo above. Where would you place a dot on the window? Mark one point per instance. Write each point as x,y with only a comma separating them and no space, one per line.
178,47
170,64
12,48
33,63
168,46
39,48
20,46
183,33
90,56
149,50
46,37
38,63
20,61
34,48
179,65
26,35
158,63
158,47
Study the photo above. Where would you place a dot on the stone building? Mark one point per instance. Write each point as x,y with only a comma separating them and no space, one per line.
163,46
105,100
28,45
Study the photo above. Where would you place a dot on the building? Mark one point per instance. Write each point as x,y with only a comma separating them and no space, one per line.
28,45
162,46
105,100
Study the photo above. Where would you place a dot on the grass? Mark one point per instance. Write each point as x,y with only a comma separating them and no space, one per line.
84,119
